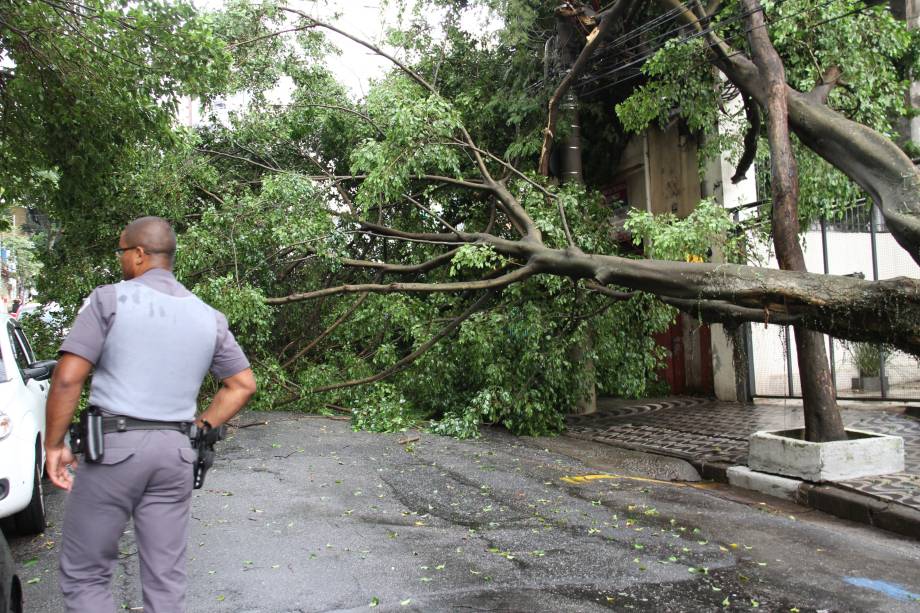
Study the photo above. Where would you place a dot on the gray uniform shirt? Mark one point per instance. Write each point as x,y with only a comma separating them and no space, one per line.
152,388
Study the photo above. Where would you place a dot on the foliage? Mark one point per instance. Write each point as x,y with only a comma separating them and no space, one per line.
382,409
458,425
876,52
62,60
696,98
22,251
868,357
665,237
475,258
45,335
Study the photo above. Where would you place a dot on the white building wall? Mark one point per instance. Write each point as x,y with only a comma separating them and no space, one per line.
848,253
717,184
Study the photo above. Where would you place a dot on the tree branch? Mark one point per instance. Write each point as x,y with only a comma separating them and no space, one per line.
709,311
426,288
344,317
595,39
335,107
425,209
829,80
240,158
751,136
409,359
269,35
385,267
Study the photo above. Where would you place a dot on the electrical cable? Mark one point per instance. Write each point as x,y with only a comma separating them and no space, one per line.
638,31
695,35
711,45
594,76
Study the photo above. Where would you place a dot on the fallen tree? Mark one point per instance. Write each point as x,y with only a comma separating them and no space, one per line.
884,311
848,308
404,200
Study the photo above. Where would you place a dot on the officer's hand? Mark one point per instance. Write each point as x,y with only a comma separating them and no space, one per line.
57,461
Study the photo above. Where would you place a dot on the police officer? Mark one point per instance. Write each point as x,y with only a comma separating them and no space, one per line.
149,343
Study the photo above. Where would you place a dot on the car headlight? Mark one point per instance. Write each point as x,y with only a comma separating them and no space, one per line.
6,425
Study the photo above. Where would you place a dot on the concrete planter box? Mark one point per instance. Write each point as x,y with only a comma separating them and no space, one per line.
785,452
867,384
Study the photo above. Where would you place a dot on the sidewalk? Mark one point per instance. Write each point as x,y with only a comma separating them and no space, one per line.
713,436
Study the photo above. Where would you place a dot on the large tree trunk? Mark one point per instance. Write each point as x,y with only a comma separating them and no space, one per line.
822,418
885,311
867,157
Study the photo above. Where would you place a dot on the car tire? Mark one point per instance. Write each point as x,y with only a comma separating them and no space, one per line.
10,585
14,590
31,520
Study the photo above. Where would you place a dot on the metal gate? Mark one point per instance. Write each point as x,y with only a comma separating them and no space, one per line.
859,245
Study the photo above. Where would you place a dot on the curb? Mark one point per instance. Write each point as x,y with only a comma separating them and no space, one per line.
832,499
847,504
828,498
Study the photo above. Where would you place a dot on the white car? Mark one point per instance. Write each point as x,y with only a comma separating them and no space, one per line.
24,384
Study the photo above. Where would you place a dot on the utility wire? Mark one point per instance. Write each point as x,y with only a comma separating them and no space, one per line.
635,32
644,57
594,76
703,32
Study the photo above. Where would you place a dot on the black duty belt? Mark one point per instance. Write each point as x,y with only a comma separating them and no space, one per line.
120,423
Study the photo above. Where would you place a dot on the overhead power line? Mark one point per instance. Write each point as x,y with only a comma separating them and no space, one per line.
644,57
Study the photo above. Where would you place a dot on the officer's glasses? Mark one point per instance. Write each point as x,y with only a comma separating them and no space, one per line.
120,251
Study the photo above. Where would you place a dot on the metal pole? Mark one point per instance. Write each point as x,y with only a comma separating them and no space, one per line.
749,351
873,220
789,379
827,271
748,341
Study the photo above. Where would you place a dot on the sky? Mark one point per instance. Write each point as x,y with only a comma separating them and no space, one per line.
355,66
366,19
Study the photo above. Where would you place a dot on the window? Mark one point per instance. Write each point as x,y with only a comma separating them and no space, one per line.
20,354
26,347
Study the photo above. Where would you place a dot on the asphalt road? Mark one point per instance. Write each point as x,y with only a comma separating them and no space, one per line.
302,514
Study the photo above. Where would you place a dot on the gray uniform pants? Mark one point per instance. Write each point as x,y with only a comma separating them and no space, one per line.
146,474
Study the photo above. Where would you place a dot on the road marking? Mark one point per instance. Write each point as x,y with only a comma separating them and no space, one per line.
582,479
889,589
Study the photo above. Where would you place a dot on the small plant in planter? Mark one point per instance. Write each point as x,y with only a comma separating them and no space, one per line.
868,359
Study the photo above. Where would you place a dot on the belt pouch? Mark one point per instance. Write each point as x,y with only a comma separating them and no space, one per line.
94,447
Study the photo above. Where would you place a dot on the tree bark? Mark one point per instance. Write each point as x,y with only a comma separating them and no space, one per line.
822,417
869,158
885,311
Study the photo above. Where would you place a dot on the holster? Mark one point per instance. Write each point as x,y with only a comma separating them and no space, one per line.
203,439
86,436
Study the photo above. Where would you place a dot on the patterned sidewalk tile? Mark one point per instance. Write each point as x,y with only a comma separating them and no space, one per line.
700,429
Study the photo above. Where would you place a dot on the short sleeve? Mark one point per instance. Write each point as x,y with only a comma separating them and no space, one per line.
229,358
93,322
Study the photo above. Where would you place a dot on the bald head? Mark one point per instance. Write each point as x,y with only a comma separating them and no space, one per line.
154,234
